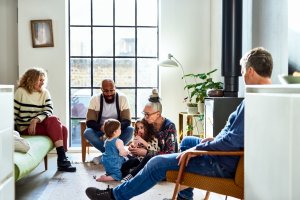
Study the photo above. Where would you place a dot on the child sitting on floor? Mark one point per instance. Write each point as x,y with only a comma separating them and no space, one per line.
115,152
144,138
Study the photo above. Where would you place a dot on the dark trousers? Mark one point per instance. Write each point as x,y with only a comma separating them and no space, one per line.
135,164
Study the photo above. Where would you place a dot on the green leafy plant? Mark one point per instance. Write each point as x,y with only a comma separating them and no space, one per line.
203,82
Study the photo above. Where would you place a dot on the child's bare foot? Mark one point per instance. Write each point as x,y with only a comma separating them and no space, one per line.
105,178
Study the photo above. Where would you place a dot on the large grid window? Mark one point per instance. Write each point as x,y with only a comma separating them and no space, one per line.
115,39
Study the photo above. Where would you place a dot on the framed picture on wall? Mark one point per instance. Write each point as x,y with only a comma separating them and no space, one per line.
42,33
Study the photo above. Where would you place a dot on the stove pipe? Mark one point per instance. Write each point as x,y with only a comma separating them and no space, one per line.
231,45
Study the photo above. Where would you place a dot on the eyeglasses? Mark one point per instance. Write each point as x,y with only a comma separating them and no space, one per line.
149,114
108,91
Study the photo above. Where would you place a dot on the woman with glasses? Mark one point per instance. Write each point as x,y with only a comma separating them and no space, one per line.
165,129
165,136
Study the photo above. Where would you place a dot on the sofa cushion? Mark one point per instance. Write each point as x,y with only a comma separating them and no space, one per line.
26,162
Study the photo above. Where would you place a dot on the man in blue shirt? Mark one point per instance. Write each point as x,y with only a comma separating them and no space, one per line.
257,66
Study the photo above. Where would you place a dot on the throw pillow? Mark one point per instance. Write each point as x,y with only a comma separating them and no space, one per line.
21,145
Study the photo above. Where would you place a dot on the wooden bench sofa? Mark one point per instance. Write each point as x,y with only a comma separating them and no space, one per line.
25,163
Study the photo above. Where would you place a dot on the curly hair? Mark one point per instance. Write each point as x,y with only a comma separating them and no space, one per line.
149,130
31,77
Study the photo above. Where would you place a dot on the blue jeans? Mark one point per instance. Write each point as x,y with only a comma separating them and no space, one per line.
93,137
156,168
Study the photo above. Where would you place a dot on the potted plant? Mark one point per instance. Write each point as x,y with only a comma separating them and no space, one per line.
198,90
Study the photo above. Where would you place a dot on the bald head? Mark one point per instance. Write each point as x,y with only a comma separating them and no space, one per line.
108,90
108,82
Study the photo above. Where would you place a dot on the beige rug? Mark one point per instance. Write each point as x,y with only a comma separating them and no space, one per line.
71,186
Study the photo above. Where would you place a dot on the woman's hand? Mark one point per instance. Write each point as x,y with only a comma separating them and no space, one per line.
32,126
138,151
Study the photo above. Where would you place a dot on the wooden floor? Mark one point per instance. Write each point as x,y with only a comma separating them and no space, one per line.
33,186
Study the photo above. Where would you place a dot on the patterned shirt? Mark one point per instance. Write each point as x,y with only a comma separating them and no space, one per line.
167,139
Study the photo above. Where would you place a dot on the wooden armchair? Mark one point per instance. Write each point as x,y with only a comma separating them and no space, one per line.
226,186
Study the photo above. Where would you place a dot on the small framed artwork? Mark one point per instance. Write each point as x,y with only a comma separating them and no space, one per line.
42,33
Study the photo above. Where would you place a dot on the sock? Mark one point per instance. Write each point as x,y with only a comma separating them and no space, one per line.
61,155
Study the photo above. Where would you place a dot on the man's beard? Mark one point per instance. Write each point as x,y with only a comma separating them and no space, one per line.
109,101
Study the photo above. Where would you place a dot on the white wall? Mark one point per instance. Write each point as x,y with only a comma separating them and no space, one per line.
265,23
186,32
53,59
270,29
8,42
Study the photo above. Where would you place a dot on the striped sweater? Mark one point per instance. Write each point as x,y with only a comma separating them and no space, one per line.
28,106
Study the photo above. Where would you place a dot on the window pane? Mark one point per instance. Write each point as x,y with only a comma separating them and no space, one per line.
75,130
80,99
147,72
125,12
131,99
80,72
97,91
125,76
122,45
102,12
80,12
147,42
103,41
80,41
142,99
103,68
125,42
146,13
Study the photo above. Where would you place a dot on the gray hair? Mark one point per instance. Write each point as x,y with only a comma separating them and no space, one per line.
154,101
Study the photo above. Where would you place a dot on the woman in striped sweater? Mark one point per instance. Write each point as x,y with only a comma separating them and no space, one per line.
33,114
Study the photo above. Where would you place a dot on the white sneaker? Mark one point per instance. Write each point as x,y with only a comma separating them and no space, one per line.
97,160
126,178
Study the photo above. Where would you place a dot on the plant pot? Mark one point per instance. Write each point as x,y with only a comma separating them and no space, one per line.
215,93
201,107
192,108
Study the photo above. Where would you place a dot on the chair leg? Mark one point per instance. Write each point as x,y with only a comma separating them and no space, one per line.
46,162
207,195
176,190
83,141
83,152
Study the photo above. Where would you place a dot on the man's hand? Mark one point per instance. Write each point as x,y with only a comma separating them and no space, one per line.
32,126
207,140
189,156
102,128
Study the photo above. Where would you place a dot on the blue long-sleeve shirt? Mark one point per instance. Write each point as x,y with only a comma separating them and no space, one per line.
231,138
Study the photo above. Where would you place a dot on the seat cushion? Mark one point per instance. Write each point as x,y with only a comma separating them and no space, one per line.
26,162
225,186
